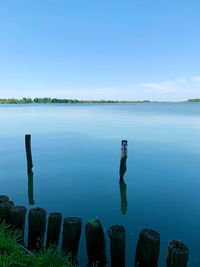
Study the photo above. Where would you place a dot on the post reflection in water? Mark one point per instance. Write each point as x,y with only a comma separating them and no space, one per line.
30,188
122,185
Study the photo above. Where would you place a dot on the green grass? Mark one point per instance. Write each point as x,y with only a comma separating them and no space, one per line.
15,255
94,223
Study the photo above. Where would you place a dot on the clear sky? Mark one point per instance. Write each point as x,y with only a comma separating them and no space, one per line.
120,50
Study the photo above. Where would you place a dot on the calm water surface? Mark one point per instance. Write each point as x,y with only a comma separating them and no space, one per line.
76,157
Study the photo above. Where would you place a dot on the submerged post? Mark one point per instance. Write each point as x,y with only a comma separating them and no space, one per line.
71,235
36,229
117,245
28,152
53,231
17,220
96,244
177,254
148,248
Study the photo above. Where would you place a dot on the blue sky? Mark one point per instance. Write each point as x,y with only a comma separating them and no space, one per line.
125,50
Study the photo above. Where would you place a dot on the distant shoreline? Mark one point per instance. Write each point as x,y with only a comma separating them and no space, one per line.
48,100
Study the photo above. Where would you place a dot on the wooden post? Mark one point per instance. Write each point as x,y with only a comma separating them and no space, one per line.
17,220
96,244
117,245
5,208
28,152
3,198
148,248
36,230
54,226
124,150
71,235
177,254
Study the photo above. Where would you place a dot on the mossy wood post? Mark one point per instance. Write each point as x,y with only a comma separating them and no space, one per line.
17,220
71,235
3,198
117,245
148,248
5,208
53,230
37,226
96,244
177,254
28,152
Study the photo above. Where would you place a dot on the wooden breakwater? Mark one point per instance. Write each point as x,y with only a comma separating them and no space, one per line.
39,226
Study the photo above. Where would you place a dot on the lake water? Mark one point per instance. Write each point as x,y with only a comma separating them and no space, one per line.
76,153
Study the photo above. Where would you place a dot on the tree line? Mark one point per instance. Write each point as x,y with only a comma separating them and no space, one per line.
194,100
49,100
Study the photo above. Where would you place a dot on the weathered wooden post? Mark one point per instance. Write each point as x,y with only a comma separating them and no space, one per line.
28,152
117,245
96,244
148,248
5,208
124,148
53,230
71,235
36,229
17,220
3,198
177,254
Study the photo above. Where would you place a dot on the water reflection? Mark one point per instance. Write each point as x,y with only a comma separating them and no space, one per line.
30,188
122,185
124,202
122,169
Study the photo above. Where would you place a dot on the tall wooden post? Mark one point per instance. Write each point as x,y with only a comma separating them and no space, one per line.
17,220
177,254
53,231
117,245
36,230
148,248
28,152
71,235
96,244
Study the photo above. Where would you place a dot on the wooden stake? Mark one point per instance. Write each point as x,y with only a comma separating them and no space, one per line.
117,245
71,235
96,244
3,198
53,231
148,248
36,230
177,254
17,220
28,152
